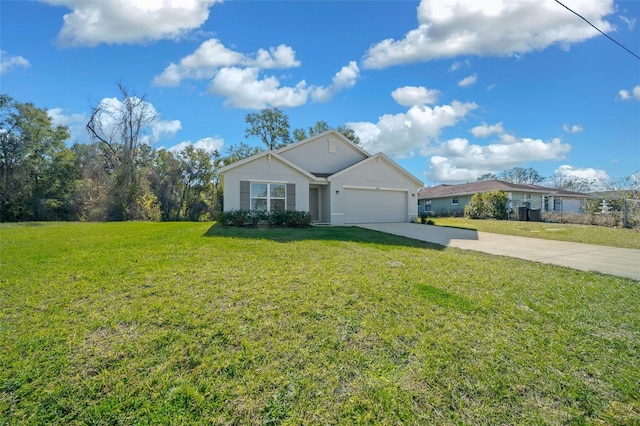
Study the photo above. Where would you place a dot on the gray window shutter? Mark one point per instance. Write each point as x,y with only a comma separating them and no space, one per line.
291,196
245,194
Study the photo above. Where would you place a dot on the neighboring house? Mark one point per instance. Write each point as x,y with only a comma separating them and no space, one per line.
453,198
326,175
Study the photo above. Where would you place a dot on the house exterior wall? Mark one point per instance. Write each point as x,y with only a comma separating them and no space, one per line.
535,200
376,175
375,187
324,155
264,169
517,199
444,205
424,206
571,205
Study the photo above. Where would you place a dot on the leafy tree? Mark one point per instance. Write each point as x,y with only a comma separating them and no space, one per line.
319,127
165,179
348,133
571,183
322,126
36,167
487,176
271,125
198,169
96,166
239,152
521,176
184,183
123,127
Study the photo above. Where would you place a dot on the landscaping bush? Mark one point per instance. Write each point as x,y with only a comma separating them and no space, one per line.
424,218
493,204
251,218
475,208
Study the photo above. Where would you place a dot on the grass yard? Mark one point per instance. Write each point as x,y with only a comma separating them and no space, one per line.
599,235
189,323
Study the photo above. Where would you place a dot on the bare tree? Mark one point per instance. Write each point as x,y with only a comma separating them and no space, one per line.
520,175
123,126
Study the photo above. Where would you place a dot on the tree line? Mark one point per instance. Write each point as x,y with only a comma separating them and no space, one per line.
118,175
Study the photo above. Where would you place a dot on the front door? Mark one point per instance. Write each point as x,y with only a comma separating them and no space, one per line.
314,203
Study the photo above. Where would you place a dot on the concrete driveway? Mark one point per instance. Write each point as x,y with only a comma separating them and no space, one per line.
586,257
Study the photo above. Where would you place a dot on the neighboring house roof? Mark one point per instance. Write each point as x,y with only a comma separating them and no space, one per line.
273,155
470,188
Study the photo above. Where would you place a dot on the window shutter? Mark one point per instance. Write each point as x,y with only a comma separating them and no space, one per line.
245,194
291,196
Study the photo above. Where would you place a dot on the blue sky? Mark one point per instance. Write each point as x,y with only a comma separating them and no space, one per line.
450,89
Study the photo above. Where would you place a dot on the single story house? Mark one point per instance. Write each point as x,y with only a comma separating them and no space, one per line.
453,198
326,175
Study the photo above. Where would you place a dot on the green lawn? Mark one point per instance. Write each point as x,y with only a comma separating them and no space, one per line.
189,323
599,235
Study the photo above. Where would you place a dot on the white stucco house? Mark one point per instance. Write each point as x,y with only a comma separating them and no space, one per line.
327,175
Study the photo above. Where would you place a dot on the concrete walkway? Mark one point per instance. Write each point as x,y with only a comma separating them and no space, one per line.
586,257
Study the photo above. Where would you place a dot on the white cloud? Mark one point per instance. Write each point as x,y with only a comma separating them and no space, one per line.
212,55
59,118
282,56
129,21
459,64
631,22
343,79
625,95
486,130
444,171
243,88
113,112
237,76
161,128
452,28
202,63
576,128
597,177
208,144
7,62
405,133
75,122
458,160
412,95
468,81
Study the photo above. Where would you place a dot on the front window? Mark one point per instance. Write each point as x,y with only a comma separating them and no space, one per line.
427,206
454,201
268,196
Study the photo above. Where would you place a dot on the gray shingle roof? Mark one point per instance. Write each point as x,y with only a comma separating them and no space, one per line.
441,191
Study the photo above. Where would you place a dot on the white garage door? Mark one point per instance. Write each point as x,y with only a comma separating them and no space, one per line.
369,205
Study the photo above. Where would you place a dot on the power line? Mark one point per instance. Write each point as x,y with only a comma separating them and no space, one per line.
598,29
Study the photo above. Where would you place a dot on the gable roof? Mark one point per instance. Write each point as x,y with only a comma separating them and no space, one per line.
330,132
320,176
470,188
379,155
273,154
